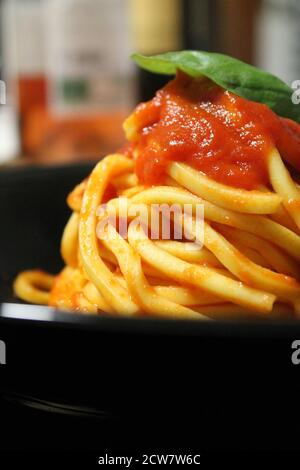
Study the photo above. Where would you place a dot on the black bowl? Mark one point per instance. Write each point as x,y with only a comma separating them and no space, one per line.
219,374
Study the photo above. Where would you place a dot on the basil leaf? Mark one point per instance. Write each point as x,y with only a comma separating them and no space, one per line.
238,77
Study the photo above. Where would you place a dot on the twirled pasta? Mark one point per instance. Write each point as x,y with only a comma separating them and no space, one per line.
248,265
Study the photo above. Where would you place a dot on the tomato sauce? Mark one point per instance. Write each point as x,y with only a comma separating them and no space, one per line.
220,134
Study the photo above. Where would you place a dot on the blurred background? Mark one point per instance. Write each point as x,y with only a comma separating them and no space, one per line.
67,81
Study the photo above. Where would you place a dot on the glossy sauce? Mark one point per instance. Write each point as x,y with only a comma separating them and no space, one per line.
226,137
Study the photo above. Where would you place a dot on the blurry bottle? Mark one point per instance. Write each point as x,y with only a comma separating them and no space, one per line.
89,75
199,24
156,27
9,132
160,26
74,75
23,34
277,38
234,27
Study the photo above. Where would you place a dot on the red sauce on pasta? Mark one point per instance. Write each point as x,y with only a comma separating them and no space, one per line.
224,136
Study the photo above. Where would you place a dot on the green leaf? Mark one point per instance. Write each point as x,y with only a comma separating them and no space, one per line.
238,77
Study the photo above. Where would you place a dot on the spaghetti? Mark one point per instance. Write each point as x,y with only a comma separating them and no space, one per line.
193,144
